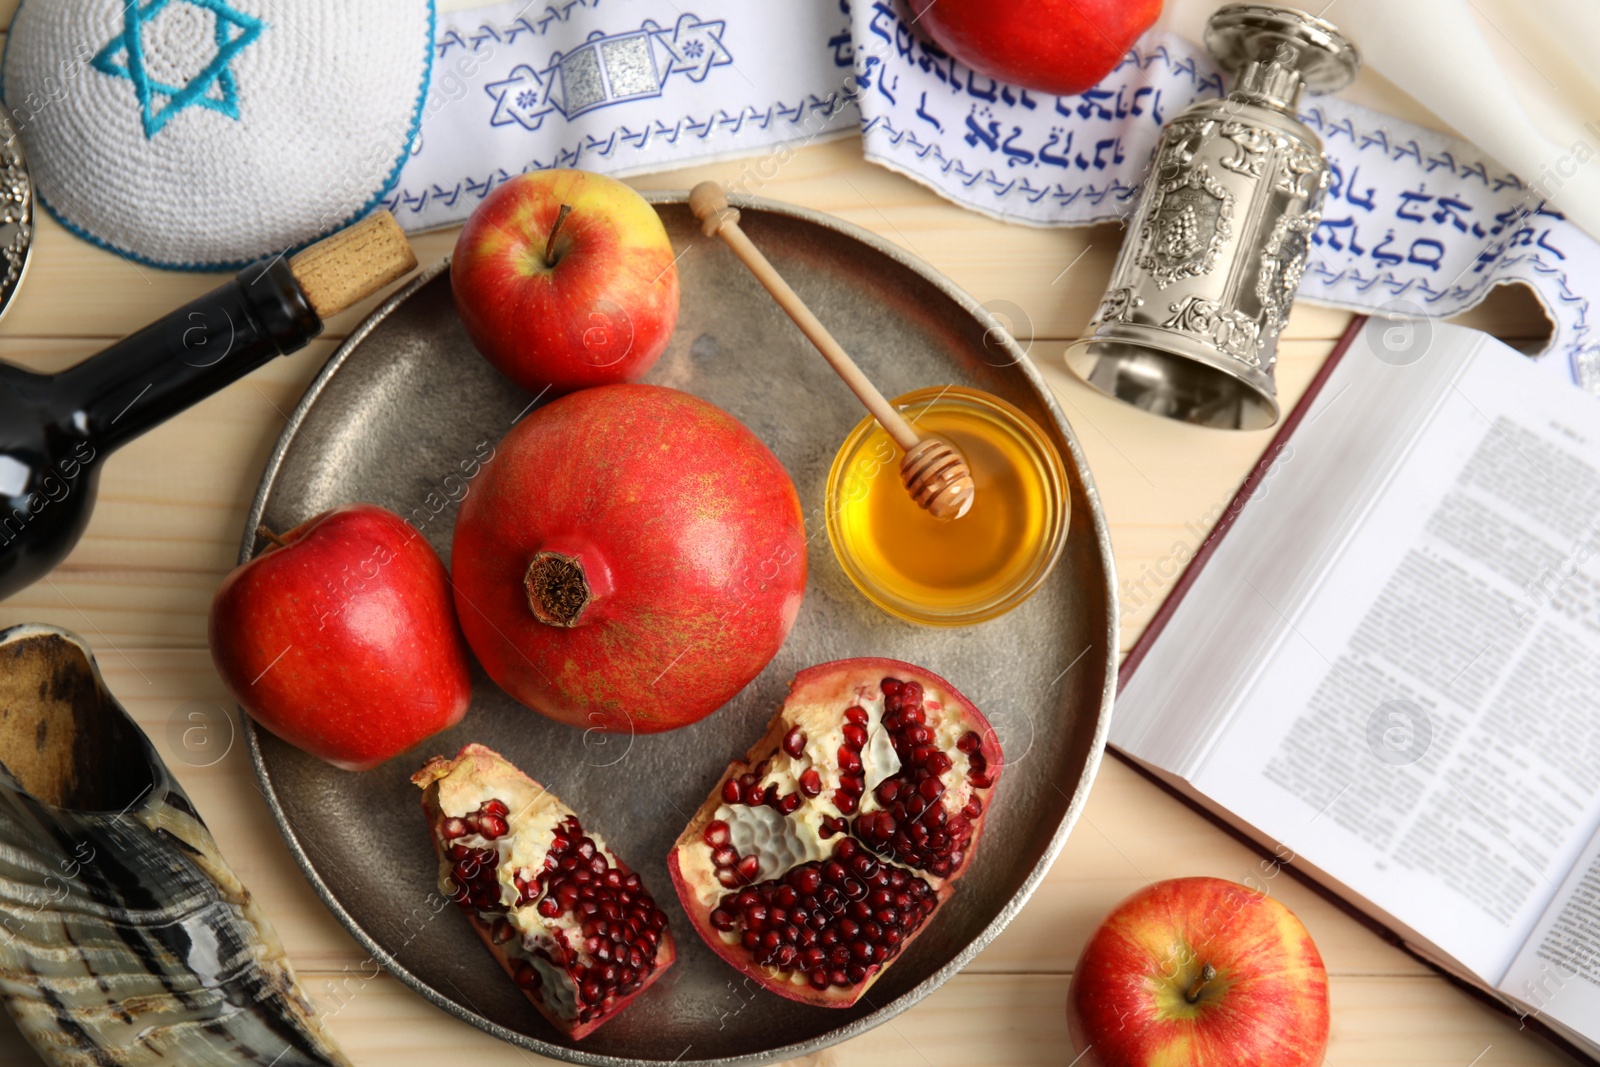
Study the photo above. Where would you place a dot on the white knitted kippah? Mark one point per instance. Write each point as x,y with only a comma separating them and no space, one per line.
210,133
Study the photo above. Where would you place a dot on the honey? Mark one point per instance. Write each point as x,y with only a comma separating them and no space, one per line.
960,571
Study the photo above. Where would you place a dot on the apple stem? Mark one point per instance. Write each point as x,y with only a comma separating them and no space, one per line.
270,536
550,245
1207,973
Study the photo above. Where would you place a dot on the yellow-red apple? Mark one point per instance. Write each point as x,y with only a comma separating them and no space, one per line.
565,280
1199,972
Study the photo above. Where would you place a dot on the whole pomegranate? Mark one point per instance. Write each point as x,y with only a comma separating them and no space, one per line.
630,560
830,846
576,929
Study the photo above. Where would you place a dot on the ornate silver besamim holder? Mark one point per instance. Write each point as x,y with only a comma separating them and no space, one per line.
1189,325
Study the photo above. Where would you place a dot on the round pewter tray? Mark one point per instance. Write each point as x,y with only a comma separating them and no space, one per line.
404,409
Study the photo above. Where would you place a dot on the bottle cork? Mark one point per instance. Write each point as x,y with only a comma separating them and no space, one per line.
345,268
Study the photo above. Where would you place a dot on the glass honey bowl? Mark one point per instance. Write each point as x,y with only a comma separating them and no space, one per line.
961,571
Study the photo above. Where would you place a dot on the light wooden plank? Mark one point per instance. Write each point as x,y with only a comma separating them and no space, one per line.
1009,1020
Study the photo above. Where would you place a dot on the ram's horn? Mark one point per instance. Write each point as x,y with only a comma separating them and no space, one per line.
126,938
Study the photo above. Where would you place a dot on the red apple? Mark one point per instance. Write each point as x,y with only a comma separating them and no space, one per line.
341,638
565,280
1196,972
1055,46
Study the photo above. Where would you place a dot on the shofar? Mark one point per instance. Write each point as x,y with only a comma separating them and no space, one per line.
127,939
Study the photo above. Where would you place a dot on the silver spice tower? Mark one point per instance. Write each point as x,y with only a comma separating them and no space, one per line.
1189,325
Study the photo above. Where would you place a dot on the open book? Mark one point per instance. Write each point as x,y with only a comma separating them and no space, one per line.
1385,663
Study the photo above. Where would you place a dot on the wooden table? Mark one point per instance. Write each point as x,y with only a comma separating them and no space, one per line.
172,506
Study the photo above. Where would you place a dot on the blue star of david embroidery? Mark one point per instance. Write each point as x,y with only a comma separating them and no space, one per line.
695,47
213,87
523,98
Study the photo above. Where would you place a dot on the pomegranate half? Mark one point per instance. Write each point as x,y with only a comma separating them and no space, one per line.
567,920
823,853
630,560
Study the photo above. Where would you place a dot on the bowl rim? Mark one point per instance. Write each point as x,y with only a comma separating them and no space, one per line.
1047,553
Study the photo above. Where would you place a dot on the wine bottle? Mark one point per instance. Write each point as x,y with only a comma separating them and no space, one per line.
56,430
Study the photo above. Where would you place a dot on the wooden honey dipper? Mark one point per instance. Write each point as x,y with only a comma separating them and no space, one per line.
934,472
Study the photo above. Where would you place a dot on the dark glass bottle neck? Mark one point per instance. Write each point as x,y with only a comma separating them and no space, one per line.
55,429
183,357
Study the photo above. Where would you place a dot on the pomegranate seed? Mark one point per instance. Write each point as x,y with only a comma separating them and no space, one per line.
716,833
754,795
857,714
891,687
855,735
731,793
789,803
492,826
887,790
525,976
497,807
849,760
806,880
938,763
727,877
977,764
970,742
453,828
794,742
811,782
912,693
724,856
845,802
931,788
980,781
973,809
747,867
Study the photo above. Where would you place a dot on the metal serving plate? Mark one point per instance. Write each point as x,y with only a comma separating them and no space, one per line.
406,400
